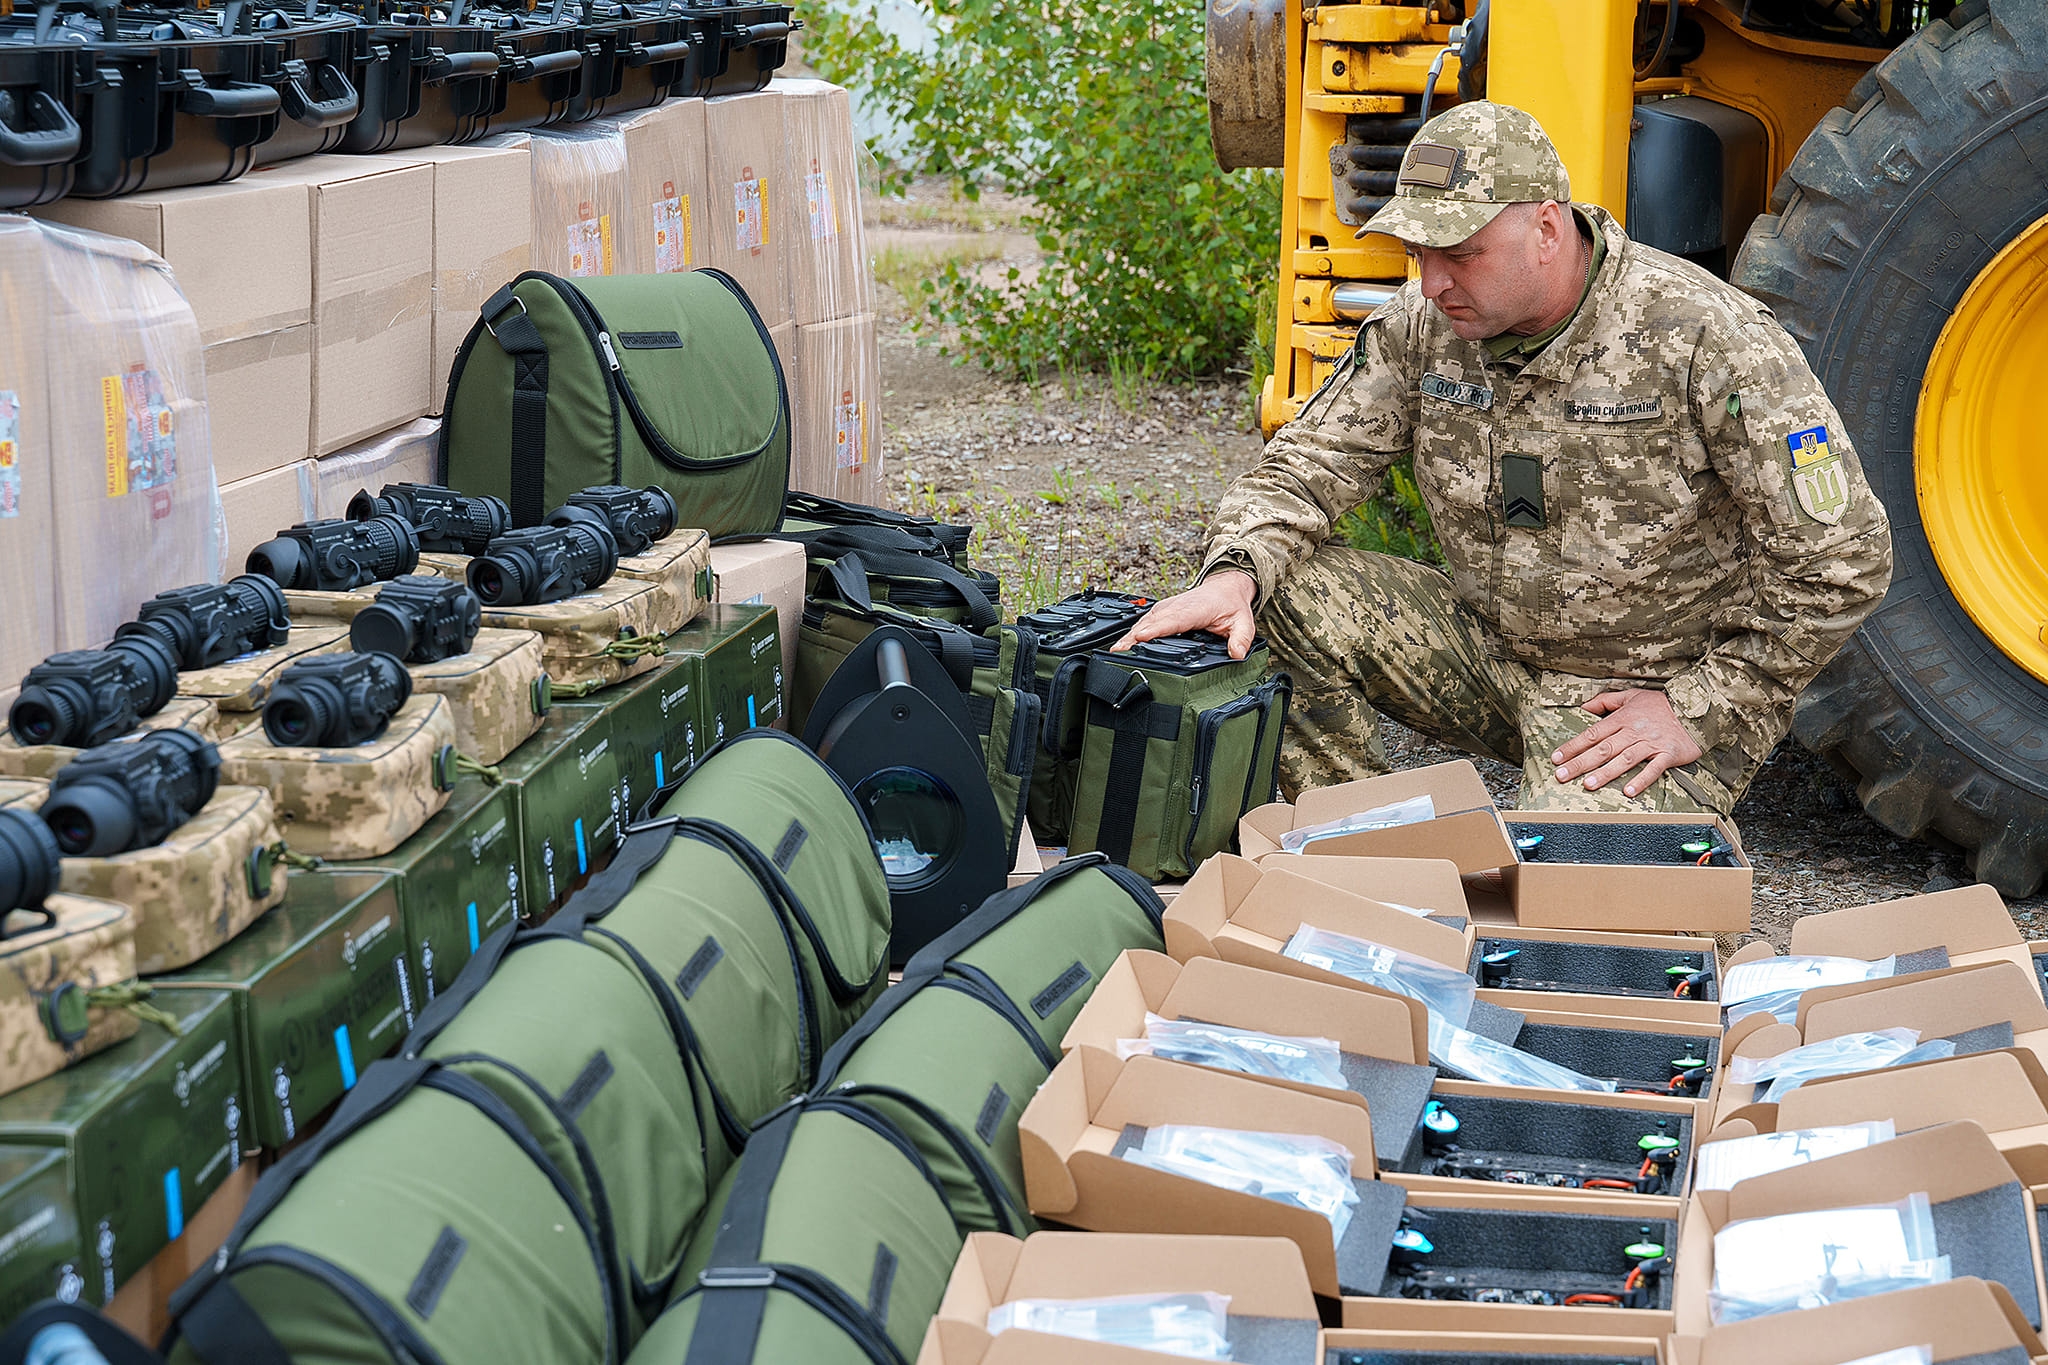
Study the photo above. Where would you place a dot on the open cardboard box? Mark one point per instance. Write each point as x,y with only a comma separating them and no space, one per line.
1428,884
1641,897
1384,1041
1969,923
1963,1319
1272,1314
1467,829
1655,951
1453,1344
1984,1216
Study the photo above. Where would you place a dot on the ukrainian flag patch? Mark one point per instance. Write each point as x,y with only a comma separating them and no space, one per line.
1808,447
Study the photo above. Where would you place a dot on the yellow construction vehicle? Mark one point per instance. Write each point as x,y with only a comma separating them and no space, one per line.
1876,171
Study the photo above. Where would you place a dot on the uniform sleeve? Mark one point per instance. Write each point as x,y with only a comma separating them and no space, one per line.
1818,542
1322,464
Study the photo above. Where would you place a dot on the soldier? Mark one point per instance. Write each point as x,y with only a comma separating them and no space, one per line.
1656,527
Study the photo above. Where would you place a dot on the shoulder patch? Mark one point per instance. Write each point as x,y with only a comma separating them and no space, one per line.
1633,410
1818,479
1451,391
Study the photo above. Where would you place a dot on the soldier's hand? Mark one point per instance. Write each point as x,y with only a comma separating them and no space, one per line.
1220,604
1637,727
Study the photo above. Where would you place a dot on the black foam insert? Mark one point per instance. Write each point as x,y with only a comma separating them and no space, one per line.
1496,1022
1652,845
1394,1094
1588,1132
1500,1240
1985,1234
1988,1038
1545,965
1270,1341
1621,1054
1925,960
1342,1355
2011,1355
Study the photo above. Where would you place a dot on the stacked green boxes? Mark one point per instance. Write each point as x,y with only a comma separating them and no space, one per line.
141,1135
458,881
739,665
317,993
565,791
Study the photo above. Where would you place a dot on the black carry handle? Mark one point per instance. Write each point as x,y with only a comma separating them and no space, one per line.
341,103
547,64
660,53
237,99
50,136
746,35
454,66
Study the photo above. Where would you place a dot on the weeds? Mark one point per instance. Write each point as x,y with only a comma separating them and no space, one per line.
909,270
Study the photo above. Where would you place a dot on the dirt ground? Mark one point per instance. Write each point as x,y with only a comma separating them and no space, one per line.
1076,482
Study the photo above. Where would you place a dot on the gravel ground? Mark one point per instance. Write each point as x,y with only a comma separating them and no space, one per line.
1076,482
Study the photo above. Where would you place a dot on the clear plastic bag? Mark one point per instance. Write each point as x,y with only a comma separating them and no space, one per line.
1898,1355
1308,1172
1187,1325
1806,1260
1720,1165
1481,1059
1447,991
1833,1057
1413,811
1311,1061
1773,985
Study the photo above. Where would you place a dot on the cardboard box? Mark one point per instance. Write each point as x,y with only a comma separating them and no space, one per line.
666,165
1970,924
782,338
457,881
580,200
1029,863
372,230
317,996
771,572
257,509
835,395
829,276
28,631
1467,829
1629,896
1983,1214
742,682
1637,963
1351,1346
483,238
750,202
142,1305
1263,1277
259,401
151,1127
1964,1319
1431,885
45,1248
405,455
565,789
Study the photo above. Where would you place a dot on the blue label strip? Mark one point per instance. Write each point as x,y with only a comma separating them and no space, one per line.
582,853
473,939
659,774
348,1058
751,722
174,1203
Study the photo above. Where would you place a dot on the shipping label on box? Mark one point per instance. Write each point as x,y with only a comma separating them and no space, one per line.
153,1126
318,993
673,247
565,785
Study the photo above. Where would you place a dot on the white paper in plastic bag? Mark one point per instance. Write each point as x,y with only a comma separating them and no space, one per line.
1447,991
1310,1061
1187,1325
1720,1165
1805,1260
1308,1172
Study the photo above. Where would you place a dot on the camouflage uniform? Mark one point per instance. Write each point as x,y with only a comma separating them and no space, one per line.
1662,496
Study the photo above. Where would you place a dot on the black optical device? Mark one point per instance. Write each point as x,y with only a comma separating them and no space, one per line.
28,860
636,517
210,623
893,724
418,618
538,564
335,701
445,521
130,794
337,555
85,697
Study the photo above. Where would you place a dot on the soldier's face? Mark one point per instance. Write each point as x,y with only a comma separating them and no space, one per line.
1498,279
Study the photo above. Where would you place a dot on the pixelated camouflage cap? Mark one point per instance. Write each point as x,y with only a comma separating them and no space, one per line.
1465,166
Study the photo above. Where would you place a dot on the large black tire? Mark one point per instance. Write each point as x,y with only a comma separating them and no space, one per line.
1883,220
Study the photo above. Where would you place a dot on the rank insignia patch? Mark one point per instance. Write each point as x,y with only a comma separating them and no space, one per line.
1818,480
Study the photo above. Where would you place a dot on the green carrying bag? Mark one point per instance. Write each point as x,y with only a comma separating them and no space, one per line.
631,379
774,804
830,1242
578,1045
951,1056
423,1223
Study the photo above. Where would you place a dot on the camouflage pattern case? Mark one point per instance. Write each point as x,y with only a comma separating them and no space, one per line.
681,564
458,883
319,994
47,1017
23,791
196,714
41,1253
602,636
192,892
352,803
151,1128
240,686
496,694
305,605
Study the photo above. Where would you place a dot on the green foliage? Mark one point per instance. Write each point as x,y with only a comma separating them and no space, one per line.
1394,521
1154,258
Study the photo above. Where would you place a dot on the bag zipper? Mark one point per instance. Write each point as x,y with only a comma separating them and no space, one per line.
994,1193
1208,725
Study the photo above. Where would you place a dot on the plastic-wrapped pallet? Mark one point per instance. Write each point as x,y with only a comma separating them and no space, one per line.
743,138
403,455
829,275
834,389
255,509
665,166
136,510
483,237
28,628
579,200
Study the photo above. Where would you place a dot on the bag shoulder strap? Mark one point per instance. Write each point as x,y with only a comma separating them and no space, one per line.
528,350
1120,700
848,575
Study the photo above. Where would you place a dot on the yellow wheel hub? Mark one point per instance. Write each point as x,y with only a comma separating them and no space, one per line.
1978,445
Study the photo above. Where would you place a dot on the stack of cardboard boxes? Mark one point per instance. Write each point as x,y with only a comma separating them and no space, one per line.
1606,1208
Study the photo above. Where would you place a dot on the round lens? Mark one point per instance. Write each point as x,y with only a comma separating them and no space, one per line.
33,723
917,823
289,722
73,828
486,578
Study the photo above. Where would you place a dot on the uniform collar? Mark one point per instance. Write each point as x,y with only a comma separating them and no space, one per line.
1566,350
